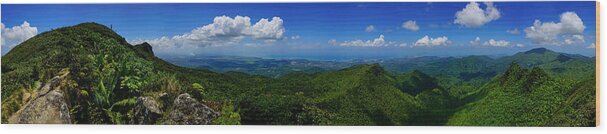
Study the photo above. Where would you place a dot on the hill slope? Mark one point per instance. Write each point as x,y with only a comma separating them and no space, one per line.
106,75
523,97
363,95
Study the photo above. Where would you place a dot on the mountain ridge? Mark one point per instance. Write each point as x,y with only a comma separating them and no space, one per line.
107,75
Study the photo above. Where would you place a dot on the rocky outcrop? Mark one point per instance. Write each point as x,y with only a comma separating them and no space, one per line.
188,111
47,107
145,48
146,111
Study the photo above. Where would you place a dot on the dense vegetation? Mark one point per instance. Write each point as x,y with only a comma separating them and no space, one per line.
106,75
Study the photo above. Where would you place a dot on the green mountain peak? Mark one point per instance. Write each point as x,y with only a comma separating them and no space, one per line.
540,50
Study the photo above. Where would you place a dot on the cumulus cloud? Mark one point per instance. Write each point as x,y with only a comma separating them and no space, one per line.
549,32
225,31
502,43
370,28
473,16
15,35
497,43
426,41
377,42
574,39
268,30
410,25
476,41
513,31
591,46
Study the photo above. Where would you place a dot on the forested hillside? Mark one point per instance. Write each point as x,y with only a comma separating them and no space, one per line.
92,74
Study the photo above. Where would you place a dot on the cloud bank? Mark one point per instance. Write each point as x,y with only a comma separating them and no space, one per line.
377,42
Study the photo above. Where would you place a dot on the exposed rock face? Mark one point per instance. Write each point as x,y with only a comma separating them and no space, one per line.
188,111
48,107
145,47
147,111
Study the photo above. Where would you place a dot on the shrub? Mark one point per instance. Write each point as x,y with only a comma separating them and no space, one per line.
229,115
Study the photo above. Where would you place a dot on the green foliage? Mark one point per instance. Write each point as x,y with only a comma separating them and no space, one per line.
200,89
416,82
522,97
228,115
312,115
362,95
100,62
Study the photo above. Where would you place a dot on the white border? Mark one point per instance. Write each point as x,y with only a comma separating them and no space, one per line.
160,129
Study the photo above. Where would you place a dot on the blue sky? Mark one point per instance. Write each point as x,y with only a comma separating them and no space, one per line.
325,30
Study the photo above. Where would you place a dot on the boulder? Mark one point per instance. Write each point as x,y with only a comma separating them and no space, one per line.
48,106
188,111
146,111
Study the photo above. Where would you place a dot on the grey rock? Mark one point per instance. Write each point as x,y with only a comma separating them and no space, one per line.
146,111
50,108
188,111
47,107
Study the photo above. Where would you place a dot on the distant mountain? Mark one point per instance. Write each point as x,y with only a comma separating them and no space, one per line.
258,66
559,64
448,70
416,82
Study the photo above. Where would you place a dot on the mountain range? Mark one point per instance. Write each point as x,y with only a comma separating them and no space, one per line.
106,80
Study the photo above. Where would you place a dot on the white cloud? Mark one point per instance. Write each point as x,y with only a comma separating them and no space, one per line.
296,37
548,32
426,41
333,42
377,42
473,16
476,41
15,35
497,43
574,39
410,25
225,31
502,43
370,28
591,46
268,30
513,31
